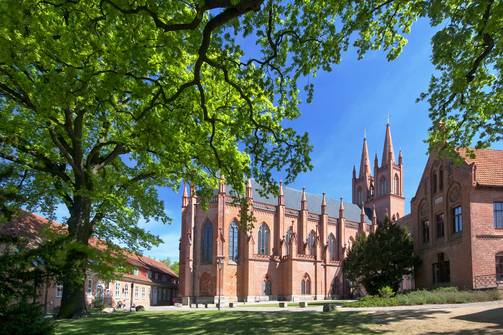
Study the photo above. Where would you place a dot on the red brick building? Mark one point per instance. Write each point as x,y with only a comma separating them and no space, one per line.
151,283
456,221
295,250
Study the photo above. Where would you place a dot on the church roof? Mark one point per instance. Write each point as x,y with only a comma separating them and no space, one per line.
293,201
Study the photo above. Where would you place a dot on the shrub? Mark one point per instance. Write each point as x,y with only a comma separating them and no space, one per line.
24,319
386,292
140,308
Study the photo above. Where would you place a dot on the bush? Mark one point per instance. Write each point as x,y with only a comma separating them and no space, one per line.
24,319
386,292
140,308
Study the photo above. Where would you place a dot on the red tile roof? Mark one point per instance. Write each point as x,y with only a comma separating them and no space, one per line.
31,225
489,166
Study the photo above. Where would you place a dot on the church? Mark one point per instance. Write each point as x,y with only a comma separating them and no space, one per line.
295,250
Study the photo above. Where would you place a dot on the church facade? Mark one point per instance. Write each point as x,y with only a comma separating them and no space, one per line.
296,247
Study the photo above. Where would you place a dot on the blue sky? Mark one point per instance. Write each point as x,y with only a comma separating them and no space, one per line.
356,95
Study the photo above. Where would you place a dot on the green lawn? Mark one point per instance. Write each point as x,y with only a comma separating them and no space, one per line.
214,322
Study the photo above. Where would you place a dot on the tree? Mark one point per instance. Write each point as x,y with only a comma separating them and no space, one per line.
175,266
102,101
380,259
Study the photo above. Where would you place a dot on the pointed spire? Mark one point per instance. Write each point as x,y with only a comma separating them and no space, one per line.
185,198
387,153
400,157
281,198
354,171
341,209
303,200
365,161
221,189
376,161
362,219
324,199
249,189
374,218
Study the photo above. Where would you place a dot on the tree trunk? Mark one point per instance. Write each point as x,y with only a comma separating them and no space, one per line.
73,304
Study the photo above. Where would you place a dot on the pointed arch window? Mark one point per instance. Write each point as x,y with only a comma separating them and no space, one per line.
396,185
233,241
382,186
434,183
359,195
207,243
311,239
263,239
331,247
305,285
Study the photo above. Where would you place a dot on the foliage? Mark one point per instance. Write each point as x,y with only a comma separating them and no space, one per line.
386,292
380,259
102,101
175,266
449,295
24,319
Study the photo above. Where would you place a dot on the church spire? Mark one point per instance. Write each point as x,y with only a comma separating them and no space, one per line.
365,161
387,153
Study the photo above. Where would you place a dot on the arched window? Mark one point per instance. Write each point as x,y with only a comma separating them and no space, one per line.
305,285
359,195
233,241
207,243
311,239
263,239
331,247
441,179
288,239
434,183
396,185
382,186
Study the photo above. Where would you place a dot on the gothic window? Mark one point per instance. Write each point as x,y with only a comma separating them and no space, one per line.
331,247
263,239
396,185
498,214
233,241
439,221
288,239
425,225
457,216
382,186
207,243
499,266
359,195
305,285
311,239
434,183
441,179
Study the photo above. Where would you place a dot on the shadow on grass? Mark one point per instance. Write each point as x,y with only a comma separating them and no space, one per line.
238,322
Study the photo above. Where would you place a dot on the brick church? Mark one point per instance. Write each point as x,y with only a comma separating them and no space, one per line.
295,249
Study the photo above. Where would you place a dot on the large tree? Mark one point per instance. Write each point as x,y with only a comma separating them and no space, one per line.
103,100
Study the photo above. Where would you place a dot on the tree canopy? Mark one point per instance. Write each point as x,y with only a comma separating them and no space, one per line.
102,101
380,259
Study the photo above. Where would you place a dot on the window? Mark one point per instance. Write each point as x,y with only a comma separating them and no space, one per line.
331,248
439,221
89,286
359,195
382,186
457,220
441,179
263,240
426,231
117,290
288,239
136,272
207,243
396,185
136,292
266,287
126,290
441,270
498,214
149,274
59,291
434,183
305,285
143,292
499,266
311,239
233,241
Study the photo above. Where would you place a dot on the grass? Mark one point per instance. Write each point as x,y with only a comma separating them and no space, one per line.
223,322
445,295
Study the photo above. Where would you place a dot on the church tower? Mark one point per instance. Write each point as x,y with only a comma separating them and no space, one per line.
384,190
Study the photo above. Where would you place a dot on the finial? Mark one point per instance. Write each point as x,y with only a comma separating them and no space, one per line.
185,194
281,187
341,207
364,133
323,199
304,198
388,120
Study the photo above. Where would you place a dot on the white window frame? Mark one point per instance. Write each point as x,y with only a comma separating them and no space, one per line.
89,287
143,292
136,292
117,290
